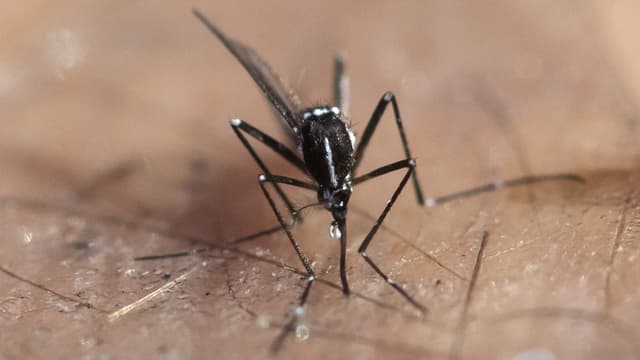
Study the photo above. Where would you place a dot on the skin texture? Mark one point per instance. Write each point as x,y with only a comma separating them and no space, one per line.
115,143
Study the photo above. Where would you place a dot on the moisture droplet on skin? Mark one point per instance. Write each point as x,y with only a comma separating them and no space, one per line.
302,332
27,236
263,322
130,272
64,51
89,342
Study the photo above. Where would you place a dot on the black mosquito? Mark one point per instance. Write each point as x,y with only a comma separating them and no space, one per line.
327,152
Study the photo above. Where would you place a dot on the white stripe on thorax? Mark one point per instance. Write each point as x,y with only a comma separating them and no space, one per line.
329,156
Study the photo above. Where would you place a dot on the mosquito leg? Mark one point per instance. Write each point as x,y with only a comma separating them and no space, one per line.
231,243
343,257
290,326
340,84
265,178
311,277
408,164
259,234
240,127
197,251
387,98
401,164
342,225
498,185
273,144
235,242
173,255
296,219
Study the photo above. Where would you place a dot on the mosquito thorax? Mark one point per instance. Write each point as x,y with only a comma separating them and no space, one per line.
327,147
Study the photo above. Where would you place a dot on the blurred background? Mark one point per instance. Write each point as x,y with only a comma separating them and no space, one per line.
115,143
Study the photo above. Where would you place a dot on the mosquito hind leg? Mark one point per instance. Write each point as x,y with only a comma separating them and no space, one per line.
499,185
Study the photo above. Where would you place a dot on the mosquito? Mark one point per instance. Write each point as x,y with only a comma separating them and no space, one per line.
327,152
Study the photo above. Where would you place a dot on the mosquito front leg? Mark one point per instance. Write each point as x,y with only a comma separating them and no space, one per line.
280,227
387,98
311,277
267,178
240,127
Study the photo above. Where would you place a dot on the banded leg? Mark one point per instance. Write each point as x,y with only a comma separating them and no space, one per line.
387,98
342,226
297,314
340,84
267,178
231,243
299,310
197,251
240,126
502,184
408,164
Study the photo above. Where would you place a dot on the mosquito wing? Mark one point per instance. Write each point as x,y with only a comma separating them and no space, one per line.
261,72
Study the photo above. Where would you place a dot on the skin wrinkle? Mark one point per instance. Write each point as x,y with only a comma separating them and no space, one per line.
458,342
615,243
570,111
78,302
260,259
336,336
408,242
131,225
499,113
381,344
472,318
596,317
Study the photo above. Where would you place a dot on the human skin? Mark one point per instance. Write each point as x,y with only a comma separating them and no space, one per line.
487,92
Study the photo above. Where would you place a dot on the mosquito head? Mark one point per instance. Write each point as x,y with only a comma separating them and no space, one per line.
336,200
